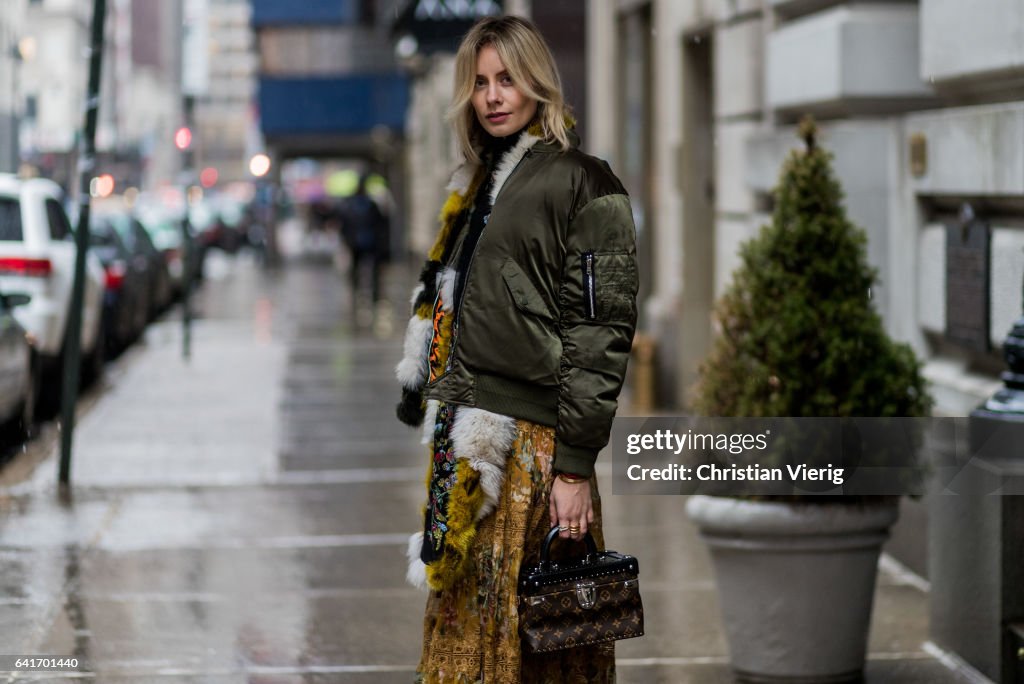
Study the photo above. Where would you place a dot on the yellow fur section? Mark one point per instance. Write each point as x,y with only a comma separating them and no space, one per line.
441,337
453,206
449,211
464,500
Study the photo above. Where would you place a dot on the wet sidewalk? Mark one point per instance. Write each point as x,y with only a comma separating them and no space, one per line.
242,517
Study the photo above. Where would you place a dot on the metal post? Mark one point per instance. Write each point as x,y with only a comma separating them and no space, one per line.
13,58
271,182
186,287
86,167
187,248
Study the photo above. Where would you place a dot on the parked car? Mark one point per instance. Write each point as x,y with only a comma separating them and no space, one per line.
19,378
164,229
126,301
138,241
37,257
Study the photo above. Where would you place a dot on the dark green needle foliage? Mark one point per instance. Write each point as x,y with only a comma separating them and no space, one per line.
798,333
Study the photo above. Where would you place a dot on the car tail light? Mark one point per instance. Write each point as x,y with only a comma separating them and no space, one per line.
115,275
36,268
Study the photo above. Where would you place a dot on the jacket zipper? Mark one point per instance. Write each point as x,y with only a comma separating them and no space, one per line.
589,286
469,267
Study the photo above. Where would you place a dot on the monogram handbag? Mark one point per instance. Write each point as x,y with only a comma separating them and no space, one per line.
580,601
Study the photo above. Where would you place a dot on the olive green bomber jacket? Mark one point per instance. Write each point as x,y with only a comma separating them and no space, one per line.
546,321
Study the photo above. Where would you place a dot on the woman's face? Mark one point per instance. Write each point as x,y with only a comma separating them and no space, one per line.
501,108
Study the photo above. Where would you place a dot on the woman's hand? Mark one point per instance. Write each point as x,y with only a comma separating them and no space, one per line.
570,508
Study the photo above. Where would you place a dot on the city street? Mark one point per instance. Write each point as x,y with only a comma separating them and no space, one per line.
242,517
791,209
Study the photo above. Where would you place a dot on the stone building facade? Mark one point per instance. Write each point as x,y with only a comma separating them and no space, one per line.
922,104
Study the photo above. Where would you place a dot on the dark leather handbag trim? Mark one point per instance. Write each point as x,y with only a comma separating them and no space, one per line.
606,563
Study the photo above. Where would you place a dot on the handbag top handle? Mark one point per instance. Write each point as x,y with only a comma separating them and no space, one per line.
545,550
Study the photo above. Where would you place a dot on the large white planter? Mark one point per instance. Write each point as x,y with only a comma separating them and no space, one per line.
795,584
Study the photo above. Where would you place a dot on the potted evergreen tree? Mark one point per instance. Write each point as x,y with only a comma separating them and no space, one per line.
798,336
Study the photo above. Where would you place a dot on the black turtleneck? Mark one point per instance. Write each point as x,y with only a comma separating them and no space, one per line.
493,151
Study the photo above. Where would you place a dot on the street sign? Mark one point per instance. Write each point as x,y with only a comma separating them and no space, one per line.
968,267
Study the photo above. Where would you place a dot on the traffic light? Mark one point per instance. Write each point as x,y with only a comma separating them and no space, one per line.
102,186
183,138
208,177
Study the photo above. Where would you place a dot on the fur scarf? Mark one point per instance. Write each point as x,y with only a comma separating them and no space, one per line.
480,440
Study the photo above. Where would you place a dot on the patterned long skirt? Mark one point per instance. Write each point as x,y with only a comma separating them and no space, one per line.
471,631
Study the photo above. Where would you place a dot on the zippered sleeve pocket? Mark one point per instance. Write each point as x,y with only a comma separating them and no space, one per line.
609,283
588,263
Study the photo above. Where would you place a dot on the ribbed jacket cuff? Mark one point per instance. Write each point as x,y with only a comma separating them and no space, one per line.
575,460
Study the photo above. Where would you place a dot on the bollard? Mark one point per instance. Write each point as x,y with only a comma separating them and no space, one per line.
643,373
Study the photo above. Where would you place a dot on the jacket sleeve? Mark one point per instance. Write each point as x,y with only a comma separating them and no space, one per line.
597,320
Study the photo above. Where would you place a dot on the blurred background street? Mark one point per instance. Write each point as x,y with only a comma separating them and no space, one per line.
240,516
243,517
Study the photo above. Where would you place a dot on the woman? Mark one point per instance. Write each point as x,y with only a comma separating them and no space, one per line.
523,322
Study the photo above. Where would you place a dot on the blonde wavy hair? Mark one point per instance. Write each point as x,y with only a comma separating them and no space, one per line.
529,62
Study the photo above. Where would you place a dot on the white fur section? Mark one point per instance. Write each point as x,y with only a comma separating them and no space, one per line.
509,162
412,370
485,439
416,574
461,179
415,294
446,286
429,419
492,477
